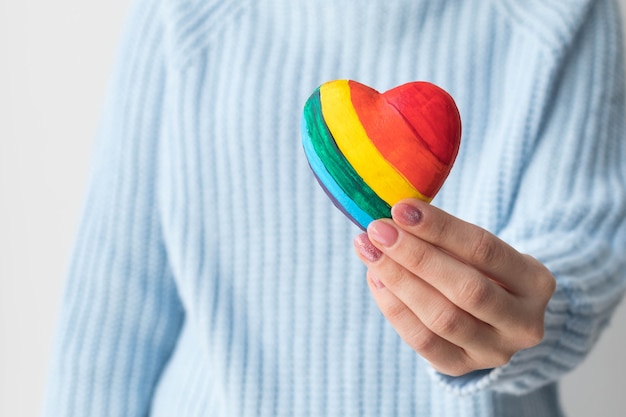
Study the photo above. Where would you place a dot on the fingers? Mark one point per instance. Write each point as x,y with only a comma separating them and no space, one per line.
456,301
472,245
444,355
457,294
463,286
432,347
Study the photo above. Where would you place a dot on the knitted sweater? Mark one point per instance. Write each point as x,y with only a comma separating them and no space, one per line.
211,274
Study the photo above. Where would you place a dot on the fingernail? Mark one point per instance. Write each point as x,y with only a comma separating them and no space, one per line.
406,214
376,282
366,248
382,232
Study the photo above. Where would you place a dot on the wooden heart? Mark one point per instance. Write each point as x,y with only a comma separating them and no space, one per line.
370,150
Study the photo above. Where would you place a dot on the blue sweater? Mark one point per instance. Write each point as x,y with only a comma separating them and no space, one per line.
213,277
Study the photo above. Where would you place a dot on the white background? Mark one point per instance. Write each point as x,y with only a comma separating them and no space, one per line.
55,58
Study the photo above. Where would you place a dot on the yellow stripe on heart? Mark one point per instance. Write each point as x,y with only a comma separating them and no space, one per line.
355,145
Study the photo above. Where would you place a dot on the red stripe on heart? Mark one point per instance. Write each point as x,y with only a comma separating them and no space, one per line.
433,115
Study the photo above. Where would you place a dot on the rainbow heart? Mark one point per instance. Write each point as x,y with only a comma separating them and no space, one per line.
370,150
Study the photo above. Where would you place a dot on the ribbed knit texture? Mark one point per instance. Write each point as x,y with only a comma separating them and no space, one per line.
213,277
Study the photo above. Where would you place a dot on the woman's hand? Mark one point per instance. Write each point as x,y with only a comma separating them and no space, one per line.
459,296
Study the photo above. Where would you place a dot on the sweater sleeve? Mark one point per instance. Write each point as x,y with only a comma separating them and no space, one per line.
120,314
570,209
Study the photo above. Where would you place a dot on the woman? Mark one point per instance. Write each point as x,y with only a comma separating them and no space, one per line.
213,277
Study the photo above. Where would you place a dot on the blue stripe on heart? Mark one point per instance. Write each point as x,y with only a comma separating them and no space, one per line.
339,198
